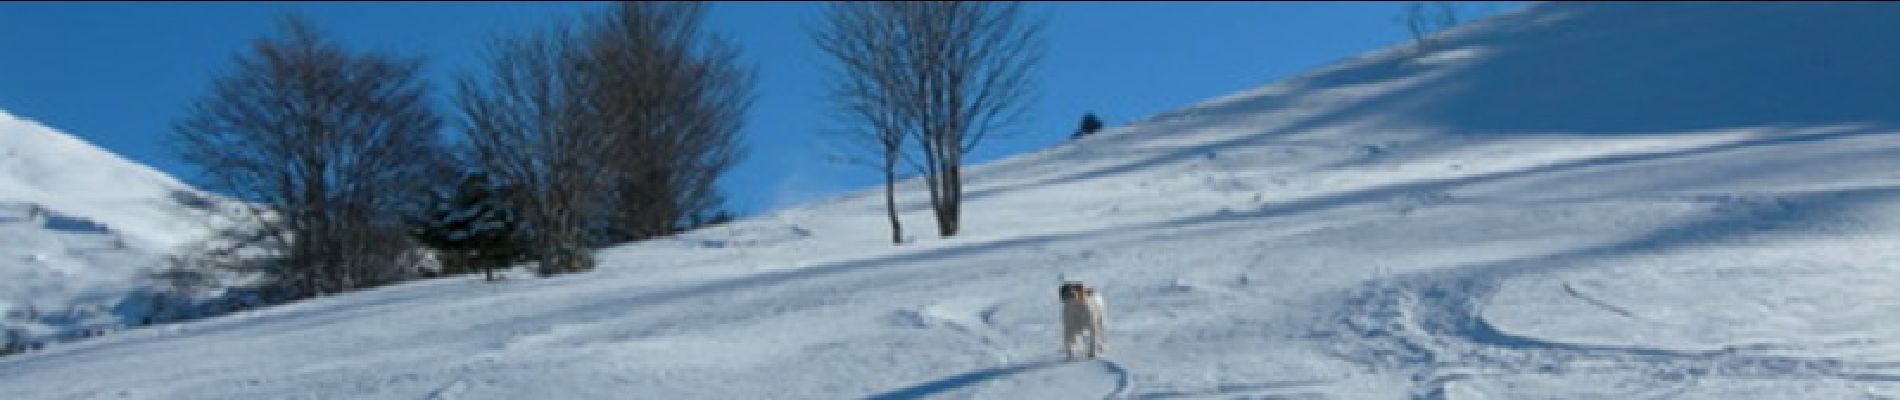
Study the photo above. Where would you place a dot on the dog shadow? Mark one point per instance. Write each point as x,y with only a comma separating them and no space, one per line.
965,379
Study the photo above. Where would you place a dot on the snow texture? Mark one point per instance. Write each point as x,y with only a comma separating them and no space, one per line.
82,231
1623,200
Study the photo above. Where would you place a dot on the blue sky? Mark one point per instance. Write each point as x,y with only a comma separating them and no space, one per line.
117,73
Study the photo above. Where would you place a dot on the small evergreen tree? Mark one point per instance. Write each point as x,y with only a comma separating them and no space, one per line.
471,227
1090,125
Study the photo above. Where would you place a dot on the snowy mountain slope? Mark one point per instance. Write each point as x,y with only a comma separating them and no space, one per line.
80,228
1573,201
68,176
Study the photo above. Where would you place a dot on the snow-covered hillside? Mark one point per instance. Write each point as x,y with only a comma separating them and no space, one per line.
80,231
1628,200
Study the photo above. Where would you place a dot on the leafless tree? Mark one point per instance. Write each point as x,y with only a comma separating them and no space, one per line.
613,130
1424,18
522,127
325,144
945,73
865,87
672,100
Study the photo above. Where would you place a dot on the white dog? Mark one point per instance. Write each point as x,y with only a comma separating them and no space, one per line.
1082,313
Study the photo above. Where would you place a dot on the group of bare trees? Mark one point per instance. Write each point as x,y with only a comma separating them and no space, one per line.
924,82
672,104
611,129
608,130
611,132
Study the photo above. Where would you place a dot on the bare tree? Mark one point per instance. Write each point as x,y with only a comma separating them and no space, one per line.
1424,18
672,101
522,127
947,73
866,87
615,130
325,144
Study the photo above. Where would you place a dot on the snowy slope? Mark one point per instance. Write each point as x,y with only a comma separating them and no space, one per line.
1574,201
80,228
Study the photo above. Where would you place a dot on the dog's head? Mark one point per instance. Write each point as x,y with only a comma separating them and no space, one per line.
1071,291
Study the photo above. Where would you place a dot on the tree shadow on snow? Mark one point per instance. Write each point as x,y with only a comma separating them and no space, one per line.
1241,391
963,380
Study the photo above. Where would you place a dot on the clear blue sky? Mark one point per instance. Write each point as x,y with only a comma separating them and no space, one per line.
117,73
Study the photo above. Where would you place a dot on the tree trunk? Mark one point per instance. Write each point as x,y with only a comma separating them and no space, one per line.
933,177
890,198
487,263
953,201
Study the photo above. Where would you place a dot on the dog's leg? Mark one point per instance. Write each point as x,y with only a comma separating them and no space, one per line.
1068,343
1097,336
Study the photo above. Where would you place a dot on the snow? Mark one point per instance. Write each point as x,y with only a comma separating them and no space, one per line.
80,230
59,172
1627,200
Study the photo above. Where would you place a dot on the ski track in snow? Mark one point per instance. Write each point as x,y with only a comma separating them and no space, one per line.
1430,325
1572,291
